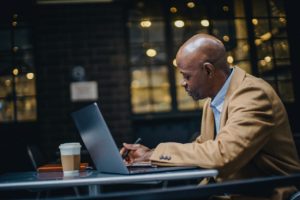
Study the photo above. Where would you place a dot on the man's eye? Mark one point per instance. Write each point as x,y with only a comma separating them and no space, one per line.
186,77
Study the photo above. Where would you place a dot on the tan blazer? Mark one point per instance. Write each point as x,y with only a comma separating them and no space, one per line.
255,138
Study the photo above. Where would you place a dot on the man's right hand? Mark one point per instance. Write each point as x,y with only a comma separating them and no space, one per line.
137,152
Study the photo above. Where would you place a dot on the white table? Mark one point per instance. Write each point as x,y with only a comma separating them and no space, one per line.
92,179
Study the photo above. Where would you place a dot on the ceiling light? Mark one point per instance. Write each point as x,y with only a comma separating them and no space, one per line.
151,52
204,22
179,23
145,23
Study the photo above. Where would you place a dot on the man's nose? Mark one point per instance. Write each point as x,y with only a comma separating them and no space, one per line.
183,83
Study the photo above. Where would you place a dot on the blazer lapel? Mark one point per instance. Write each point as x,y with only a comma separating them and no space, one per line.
208,127
235,81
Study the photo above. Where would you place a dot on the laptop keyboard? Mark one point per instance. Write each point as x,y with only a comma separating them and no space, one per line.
137,170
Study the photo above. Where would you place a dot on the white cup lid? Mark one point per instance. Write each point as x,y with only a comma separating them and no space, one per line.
70,145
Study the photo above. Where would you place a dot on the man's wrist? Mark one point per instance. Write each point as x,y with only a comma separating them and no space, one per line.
149,153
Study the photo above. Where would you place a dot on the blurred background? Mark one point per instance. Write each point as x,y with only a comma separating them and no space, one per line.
57,56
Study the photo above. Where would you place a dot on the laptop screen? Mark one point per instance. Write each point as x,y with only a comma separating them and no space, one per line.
98,140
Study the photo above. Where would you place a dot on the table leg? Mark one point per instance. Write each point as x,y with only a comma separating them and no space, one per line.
94,190
165,184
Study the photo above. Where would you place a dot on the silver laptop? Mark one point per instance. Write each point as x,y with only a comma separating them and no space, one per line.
102,147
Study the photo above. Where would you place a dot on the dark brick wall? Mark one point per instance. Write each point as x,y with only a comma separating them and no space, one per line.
292,11
90,35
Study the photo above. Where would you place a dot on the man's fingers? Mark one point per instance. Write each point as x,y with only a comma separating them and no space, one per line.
131,146
122,150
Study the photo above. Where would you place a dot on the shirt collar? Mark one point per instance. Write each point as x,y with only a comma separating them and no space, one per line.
219,98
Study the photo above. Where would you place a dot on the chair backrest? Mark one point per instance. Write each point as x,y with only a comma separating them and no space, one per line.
297,142
295,196
36,157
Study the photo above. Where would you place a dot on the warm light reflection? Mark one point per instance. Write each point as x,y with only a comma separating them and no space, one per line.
174,63
173,9
254,21
230,59
266,36
28,105
268,59
204,22
263,62
226,38
30,76
145,23
190,4
7,82
15,72
282,20
151,52
258,42
284,46
14,24
245,48
225,8
179,23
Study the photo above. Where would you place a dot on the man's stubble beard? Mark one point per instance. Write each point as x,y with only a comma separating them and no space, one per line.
195,96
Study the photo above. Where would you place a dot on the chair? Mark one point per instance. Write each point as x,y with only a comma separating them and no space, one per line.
295,196
38,159
35,155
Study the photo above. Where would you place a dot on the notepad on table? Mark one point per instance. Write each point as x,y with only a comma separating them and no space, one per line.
58,167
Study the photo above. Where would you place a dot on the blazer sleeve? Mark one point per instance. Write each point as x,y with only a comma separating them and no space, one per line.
247,129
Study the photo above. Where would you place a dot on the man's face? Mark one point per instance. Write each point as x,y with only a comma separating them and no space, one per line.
195,79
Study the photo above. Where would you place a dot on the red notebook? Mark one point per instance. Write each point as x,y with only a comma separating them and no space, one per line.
58,167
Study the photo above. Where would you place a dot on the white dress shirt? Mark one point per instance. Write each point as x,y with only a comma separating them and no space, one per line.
218,101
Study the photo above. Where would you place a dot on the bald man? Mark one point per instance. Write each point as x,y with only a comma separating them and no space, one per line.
245,131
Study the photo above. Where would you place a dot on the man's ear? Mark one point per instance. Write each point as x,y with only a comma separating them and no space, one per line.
209,68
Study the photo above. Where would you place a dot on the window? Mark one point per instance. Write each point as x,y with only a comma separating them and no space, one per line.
150,88
272,47
17,75
156,31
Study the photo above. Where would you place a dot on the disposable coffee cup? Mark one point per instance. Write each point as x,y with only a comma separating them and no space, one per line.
70,158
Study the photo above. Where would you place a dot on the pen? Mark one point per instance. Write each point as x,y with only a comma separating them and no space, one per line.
125,154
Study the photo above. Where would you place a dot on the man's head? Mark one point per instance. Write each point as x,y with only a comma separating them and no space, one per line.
203,63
